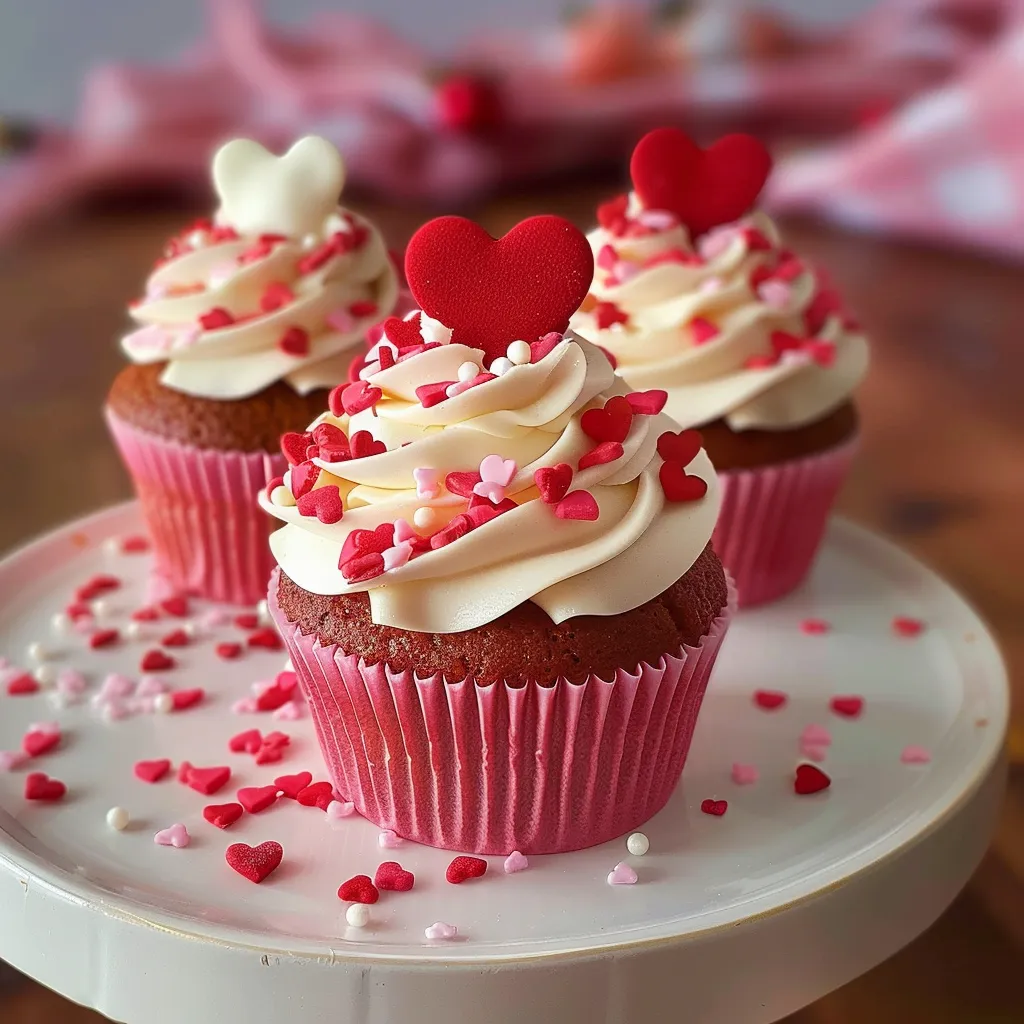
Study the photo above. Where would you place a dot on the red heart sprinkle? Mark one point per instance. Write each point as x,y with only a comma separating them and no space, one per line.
681,447
647,403
363,307
578,505
715,807
257,798
465,867
319,794
364,445
815,627
461,483
176,638
848,707
254,862
392,877
294,342
606,314
403,333
104,638
145,615
610,423
294,445
267,638
429,395
332,442
22,686
905,626
207,780
702,187
152,771
80,610
359,396
247,620
360,541
184,770
363,567
292,785
324,503
135,545
156,661
228,650
552,482
181,700
606,451
99,584
176,606
223,815
358,890
770,700
611,215
703,330
810,779
485,289
457,528
303,477
247,742
783,341
39,786
276,295
544,346
678,485
36,743
278,739
268,755
271,698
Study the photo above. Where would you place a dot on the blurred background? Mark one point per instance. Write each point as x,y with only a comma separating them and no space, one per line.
898,130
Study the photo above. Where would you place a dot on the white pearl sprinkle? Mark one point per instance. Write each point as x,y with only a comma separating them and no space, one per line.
60,623
519,353
190,629
101,608
638,844
423,517
263,612
45,675
164,703
358,915
112,546
310,241
197,239
60,700
37,652
467,371
133,630
280,495
501,366
118,818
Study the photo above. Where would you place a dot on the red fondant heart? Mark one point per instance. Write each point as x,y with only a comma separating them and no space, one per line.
181,700
491,292
293,447
848,707
292,785
39,786
319,794
257,798
364,445
429,395
553,482
268,755
254,862
681,447
176,638
247,742
403,333
207,780
303,477
392,877
465,867
363,567
363,541
271,699
702,187
358,890
332,442
610,423
715,807
156,661
177,606
36,743
810,779
678,485
228,650
905,626
647,403
267,638
22,685
223,815
152,771
578,505
462,483
606,451
543,346
770,700
360,396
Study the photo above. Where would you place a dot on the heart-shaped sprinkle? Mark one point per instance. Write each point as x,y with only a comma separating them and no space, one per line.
368,541
553,482
292,785
275,295
338,809
605,452
176,638
294,342
303,478
456,529
847,706
324,503
681,447
903,625
816,736
609,423
365,567
22,685
40,787
813,751
257,798
914,754
254,862
267,639
622,874
515,862
439,931
181,700
815,627
647,403
702,187
716,808
358,890
319,794
678,485
177,605
207,780
176,836
37,742
364,445
703,330
810,779
392,877
388,839
268,755
578,505
228,650
294,445
156,661
485,289
10,760
403,333
429,395
544,346
271,698
104,638
247,742
360,396
608,314
463,868
332,442
770,700
462,484
744,774
223,815
152,771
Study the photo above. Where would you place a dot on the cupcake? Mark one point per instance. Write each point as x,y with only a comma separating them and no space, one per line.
496,583
247,321
696,294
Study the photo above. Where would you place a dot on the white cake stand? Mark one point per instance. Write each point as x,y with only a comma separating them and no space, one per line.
734,919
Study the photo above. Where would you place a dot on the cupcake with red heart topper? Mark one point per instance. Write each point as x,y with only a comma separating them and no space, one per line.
695,293
247,321
496,583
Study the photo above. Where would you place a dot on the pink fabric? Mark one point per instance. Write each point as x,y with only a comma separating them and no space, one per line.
491,769
773,519
209,534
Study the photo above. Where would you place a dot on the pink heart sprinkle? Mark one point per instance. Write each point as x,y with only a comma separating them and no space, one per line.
427,485
606,257
711,284
176,836
813,752
245,706
397,556
816,736
439,931
775,293
70,682
289,712
714,243
744,774
12,759
915,755
388,839
338,809
116,685
496,470
515,862
622,874
150,686
657,220
341,320
404,532
579,505
215,617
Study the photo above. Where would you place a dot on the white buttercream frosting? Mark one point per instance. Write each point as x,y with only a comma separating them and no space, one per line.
504,429
280,286
734,328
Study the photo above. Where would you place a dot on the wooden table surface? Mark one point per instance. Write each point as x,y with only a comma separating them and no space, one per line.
941,472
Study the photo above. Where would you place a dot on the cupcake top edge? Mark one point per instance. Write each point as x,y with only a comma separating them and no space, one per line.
694,291
281,284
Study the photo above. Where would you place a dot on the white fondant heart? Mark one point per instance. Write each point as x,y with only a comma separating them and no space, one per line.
261,193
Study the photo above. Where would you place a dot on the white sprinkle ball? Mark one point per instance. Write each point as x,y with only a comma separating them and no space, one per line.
133,630
467,371
310,241
164,703
190,629
196,239
280,495
45,675
118,818
263,612
501,366
358,915
101,608
519,352
638,844
37,651
112,546
423,517
60,623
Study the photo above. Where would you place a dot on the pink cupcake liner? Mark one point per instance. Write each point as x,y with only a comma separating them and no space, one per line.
209,534
491,769
773,519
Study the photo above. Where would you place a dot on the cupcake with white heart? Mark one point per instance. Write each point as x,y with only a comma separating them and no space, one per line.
247,320
496,562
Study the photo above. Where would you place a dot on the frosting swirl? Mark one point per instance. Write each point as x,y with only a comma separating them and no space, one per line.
279,286
536,481
735,328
